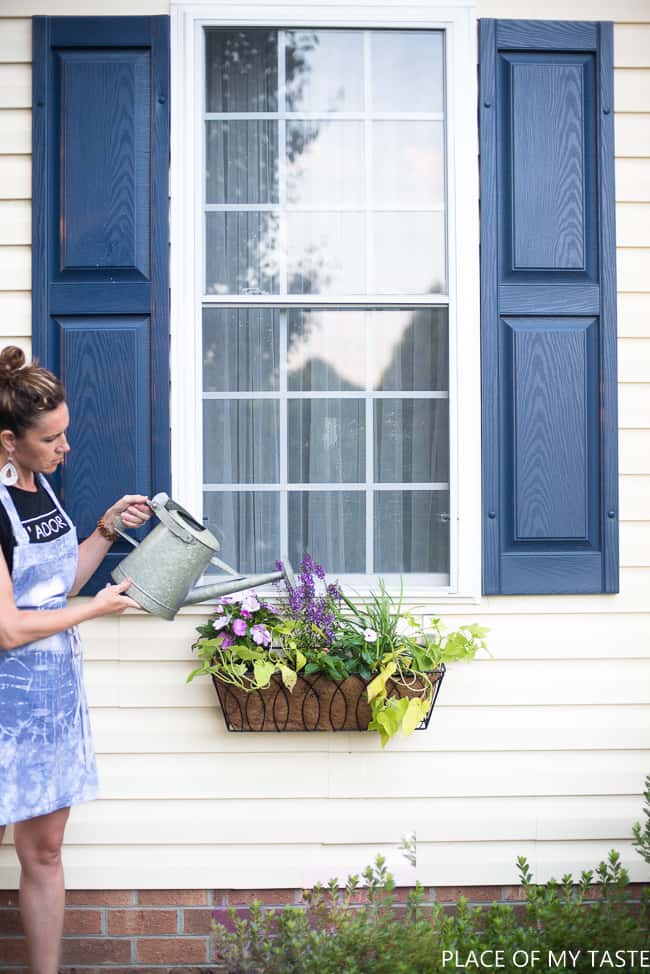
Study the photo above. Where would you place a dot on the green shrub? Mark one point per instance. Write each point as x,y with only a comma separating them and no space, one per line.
332,934
642,833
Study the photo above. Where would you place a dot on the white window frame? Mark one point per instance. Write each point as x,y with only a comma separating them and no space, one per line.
458,19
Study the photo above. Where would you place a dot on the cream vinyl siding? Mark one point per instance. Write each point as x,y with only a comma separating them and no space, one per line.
540,751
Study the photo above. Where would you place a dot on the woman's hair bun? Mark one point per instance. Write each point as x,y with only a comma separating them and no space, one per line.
12,360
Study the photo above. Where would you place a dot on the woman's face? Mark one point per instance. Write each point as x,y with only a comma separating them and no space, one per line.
43,447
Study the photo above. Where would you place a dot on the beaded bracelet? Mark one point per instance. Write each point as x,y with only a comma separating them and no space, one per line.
106,532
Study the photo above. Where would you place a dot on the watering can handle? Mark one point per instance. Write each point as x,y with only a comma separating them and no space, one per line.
225,567
120,526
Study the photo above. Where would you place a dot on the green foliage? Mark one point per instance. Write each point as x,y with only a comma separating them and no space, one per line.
642,833
321,630
332,934
388,643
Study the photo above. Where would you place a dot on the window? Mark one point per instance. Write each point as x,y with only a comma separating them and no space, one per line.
325,284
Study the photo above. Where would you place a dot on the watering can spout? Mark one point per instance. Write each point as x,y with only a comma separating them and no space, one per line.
165,566
202,593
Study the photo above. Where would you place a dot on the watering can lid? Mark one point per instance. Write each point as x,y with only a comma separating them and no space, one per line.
181,523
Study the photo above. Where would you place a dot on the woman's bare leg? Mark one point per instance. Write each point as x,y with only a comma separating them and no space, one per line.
42,892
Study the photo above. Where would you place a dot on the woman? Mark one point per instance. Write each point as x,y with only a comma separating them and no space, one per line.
47,762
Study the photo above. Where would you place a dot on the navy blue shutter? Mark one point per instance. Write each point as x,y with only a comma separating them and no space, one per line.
100,269
548,308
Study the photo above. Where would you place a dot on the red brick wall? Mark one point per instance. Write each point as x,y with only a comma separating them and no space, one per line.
159,931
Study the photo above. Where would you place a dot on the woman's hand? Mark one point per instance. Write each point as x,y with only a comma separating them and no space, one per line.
111,599
132,509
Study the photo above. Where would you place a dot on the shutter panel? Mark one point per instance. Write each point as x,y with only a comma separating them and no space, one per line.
548,308
100,311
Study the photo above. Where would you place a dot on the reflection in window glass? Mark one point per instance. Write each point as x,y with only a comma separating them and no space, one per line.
242,253
333,185
408,164
241,70
411,441
325,253
247,526
407,71
327,441
401,543
241,441
326,350
241,161
324,71
241,349
409,349
325,163
409,253
330,525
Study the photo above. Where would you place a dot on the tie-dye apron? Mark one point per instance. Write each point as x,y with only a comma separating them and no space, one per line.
47,759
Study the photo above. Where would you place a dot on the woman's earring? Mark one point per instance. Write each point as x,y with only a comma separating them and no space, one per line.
8,474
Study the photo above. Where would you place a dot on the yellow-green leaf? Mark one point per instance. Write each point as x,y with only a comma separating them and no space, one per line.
379,683
300,660
289,676
416,711
263,672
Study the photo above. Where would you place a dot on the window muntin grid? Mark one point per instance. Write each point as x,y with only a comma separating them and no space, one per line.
264,491
285,211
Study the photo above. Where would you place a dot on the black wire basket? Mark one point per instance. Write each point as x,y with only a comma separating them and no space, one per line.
316,703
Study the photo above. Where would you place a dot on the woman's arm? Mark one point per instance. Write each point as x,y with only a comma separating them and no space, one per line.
20,626
133,511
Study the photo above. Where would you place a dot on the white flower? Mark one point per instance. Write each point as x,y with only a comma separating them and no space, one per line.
370,635
250,603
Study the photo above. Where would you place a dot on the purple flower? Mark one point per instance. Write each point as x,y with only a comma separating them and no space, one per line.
246,614
239,627
226,640
220,623
261,635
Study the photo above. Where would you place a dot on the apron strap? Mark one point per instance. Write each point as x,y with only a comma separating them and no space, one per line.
20,534
48,487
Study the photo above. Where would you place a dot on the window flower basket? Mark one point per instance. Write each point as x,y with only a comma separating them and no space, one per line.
316,703
317,661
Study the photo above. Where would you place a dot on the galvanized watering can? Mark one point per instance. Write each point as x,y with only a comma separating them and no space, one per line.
165,566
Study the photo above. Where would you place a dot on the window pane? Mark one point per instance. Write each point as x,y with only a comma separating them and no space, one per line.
408,164
241,70
325,164
241,350
326,253
241,161
411,531
409,349
327,441
240,441
411,441
324,71
409,253
241,253
247,526
327,350
331,526
406,71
